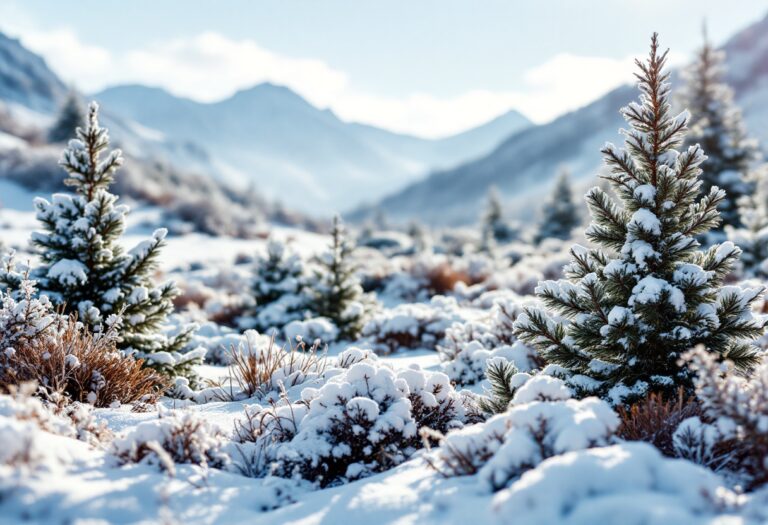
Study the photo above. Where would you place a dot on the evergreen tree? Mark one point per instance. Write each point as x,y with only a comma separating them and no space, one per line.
277,288
561,215
336,290
716,125
752,238
71,117
85,270
494,229
649,293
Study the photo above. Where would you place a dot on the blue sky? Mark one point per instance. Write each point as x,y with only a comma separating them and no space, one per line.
428,67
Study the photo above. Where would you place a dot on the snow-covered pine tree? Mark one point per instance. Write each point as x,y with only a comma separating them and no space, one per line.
717,126
71,116
494,228
277,287
336,292
84,268
561,215
752,237
631,307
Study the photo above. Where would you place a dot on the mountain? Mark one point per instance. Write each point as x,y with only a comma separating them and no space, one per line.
523,167
269,137
26,80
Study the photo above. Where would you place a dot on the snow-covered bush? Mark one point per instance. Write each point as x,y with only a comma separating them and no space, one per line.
363,420
81,367
732,432
28,429
617,485
62,356
655,419
315,329
409,326
469,346
262,369
175,437
542,421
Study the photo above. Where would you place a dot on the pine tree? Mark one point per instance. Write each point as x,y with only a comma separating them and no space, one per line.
277,288
561,215
716,125
494,228
71,116
752,238
336,291
85,270
648,293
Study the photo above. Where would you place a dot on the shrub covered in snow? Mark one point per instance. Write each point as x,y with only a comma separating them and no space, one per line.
363,420
409,326
261,369
315,329
731,433
648,294
469,346
62,356
175,437
542,421
629,483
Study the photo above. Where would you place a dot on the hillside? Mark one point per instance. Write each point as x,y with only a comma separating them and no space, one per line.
524,166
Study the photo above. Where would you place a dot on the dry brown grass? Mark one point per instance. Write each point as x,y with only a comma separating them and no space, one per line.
261,372
443,278
655,419
80,366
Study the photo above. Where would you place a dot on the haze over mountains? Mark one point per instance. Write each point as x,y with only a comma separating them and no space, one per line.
270,139
524,166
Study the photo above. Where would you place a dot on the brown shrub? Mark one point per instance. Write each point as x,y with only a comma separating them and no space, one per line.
443,278
260,371
654,419
81,366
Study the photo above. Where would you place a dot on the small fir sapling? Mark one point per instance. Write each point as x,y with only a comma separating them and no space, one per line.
648,293
494,228
716,125
335,291
561,215
85,270
278,289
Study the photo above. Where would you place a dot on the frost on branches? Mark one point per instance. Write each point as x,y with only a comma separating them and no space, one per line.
85,269
631,307
336,293
717,127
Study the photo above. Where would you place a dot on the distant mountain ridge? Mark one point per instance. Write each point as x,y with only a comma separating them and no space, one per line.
271,137
524,166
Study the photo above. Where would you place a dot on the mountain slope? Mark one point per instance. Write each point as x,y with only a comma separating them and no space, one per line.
26,80
272,138
524,166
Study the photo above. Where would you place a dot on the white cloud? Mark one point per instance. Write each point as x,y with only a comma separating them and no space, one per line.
210,66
